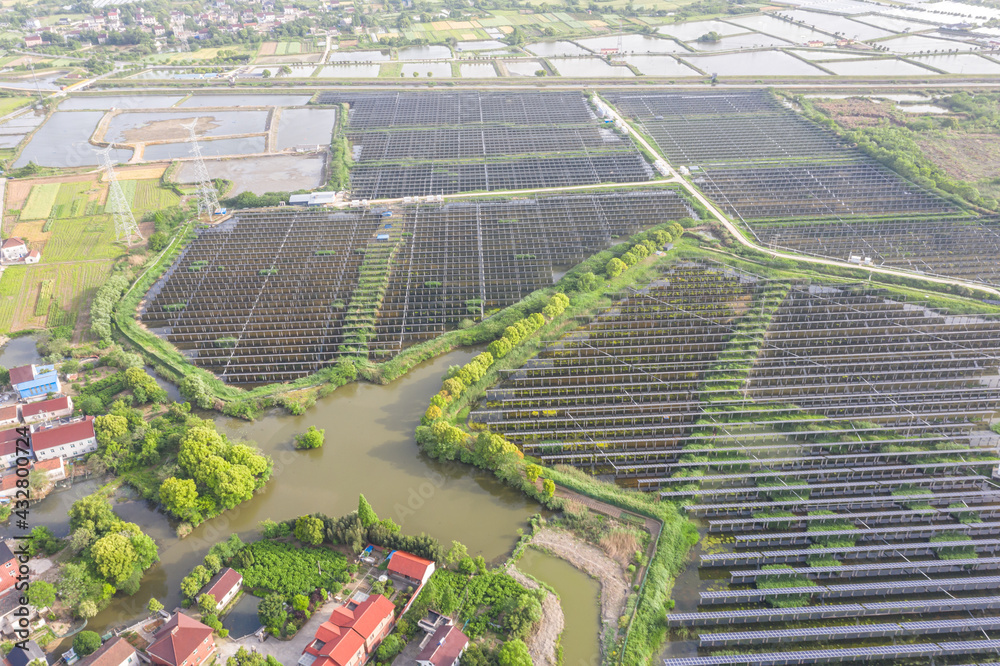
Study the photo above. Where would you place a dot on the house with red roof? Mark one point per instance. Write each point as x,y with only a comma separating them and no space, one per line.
47,410
224,587
8,448
352,633
410,568
33,257
65,441
9,415
12,248
182,641
8,567
444,648
54,468
116,652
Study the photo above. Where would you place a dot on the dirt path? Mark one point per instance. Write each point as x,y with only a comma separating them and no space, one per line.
583,556
542,643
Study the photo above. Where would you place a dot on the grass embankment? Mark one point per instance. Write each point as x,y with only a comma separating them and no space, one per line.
444,435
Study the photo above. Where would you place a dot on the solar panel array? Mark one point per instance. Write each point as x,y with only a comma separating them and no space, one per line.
431,143
830,438
797,186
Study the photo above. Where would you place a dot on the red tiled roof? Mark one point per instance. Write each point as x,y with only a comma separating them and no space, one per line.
49,465
408,565
34,253
223,582
36,408
370,612
8,413
66,434
342,651
445,646
112,653
22,373
178,639
13,242
8,441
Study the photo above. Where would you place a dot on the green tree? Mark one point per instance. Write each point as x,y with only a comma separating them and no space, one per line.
456,553
312,438
521,613
207,603
271,611
114,557
154,606
179,496
615,267
549,487
194,388
309,530
391,646
41,594
87,608
448,601
93,512
244,657
300,602
86,642
514,653
366,513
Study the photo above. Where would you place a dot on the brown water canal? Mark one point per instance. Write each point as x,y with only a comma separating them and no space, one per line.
369,449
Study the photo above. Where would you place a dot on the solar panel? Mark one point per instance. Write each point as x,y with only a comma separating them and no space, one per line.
891,499
933,481
841,654
889,587
884,531
887,629
879,568
889,549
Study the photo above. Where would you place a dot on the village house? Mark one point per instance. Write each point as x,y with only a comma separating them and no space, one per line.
8,415
34,382
54,467
182,641
8,567
12,248
46,410
352,633
224,586
33,257
24,656
116,652
444,648
9,603
65,441
410,568
8,448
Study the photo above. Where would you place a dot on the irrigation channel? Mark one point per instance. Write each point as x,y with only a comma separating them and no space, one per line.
369,450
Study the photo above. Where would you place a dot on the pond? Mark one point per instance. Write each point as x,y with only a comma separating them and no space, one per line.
960,63
432,52
522,67
883,67
653,65
922,108
369,449
261,174
694,29
754,63
892,23
358,56
477,70
481,45
105,102
922,44
295,71
549,49
580,598
216,148
589,67
301,127
63,141
246,100
632,44
165,126
440,70
820,56
745,41
241,620
348,71
779,28
829,23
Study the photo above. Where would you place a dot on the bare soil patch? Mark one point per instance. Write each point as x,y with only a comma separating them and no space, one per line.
542,642
267,48
968,157
171,129
853,113
288,59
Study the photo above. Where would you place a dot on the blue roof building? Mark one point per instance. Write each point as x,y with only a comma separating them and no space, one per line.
36,383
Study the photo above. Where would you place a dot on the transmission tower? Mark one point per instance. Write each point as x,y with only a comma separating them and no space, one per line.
208,198
125,227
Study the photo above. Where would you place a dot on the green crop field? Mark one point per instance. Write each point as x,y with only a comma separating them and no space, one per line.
72,200
91,237
8,104
148,195
10,291
40,200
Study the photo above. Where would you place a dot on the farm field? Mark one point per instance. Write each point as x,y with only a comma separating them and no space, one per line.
40,201
40,296
9,104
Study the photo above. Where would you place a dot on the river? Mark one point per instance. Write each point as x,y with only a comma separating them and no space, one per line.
369,449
